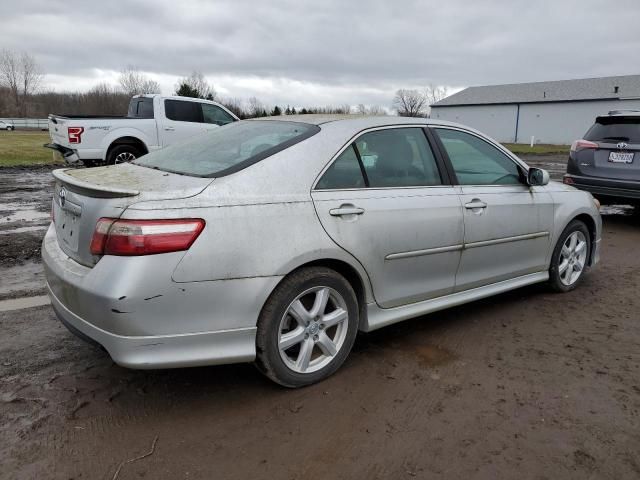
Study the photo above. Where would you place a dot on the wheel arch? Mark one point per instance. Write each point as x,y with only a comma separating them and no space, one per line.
591,226
355,278
127,140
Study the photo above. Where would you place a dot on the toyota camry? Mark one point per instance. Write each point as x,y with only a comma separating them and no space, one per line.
278,240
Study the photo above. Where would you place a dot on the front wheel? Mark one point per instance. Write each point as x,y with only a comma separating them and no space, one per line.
307,327
570,257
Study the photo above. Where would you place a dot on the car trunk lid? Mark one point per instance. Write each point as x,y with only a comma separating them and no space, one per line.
83,196
615,159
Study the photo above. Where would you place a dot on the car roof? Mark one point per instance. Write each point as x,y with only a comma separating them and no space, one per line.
362,121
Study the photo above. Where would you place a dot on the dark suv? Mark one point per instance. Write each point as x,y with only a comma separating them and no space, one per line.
606,162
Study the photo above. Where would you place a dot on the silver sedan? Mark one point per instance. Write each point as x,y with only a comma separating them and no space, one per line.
277,240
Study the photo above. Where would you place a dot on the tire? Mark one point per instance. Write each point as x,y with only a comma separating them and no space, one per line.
568,264
309,357
123,154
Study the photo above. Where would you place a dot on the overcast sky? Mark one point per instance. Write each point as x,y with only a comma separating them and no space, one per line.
324,52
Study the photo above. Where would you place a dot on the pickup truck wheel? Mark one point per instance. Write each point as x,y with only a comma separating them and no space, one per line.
122,154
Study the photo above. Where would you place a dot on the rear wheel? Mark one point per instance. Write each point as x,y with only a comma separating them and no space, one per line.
307,327
123,154
570,257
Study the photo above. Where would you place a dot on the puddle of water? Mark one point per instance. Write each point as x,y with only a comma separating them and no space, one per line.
616,210
24,302
26,277
34,228
26,215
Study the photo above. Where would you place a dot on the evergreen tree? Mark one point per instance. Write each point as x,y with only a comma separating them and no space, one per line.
186,90
276,111
293,110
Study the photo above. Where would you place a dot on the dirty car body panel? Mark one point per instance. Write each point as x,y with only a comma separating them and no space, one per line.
264,218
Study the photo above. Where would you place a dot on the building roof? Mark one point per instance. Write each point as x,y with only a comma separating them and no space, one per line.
603,88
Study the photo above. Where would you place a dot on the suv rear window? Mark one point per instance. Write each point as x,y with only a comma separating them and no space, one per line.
615,129
229,148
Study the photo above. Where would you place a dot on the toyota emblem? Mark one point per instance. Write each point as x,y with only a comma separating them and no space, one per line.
62,195
622,146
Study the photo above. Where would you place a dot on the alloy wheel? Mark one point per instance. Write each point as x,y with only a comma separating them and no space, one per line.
313,329
125,157
573,258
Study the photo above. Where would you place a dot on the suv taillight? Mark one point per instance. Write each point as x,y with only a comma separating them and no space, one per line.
144,237
582,145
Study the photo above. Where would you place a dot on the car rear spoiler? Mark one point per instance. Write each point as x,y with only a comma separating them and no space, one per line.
91,189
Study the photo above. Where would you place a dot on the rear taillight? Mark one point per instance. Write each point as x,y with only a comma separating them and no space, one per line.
582,145
144,237
567,180
75,134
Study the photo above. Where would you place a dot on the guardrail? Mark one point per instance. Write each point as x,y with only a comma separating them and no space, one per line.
39,123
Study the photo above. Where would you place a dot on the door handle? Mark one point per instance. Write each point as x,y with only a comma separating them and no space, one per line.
475,203
346,210
169,129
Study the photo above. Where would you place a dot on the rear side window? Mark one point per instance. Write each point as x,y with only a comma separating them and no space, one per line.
398,157
141,108
612,129
477,162
183,111
214,114
344,172
228,149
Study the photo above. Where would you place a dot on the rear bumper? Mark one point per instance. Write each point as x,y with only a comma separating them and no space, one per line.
604,187
133,308
76,155
164,351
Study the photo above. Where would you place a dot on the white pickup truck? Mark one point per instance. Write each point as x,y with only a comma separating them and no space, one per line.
153,122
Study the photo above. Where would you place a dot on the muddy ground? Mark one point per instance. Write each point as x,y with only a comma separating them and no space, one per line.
529,384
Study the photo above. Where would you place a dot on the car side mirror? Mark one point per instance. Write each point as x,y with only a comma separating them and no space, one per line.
537,176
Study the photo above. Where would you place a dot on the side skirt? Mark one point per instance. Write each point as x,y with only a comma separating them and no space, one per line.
381,317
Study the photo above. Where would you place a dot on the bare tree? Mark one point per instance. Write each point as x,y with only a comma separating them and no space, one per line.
134,82
410,103
434,94
362,109
196,85
376,110
235,105
255,107
21,74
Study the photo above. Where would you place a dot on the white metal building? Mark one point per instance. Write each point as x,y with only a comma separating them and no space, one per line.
556,112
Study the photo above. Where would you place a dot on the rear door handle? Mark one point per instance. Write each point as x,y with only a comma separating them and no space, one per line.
346,210
475,203
169,129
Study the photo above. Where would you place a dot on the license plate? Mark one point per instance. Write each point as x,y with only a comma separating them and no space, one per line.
67,224
621,157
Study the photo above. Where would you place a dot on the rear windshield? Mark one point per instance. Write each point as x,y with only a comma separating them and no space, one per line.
607,129
229,148
140,107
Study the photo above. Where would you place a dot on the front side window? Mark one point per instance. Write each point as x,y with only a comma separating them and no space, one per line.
214,114
398,157
476,162
182,111
344,172
228,149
